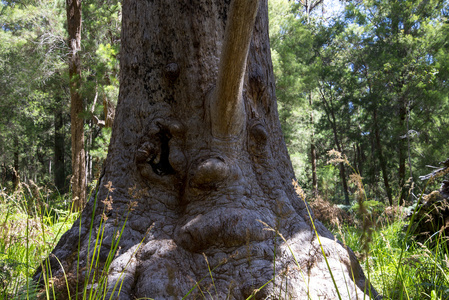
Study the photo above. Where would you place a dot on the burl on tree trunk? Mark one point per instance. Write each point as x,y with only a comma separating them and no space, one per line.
197,147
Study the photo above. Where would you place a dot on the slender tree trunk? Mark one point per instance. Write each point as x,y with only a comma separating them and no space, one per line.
373,167
356,163
88,146
196,159
312,149
91,139
360,159
409,155
109,112
313,159
73,8
382,162
16,174
59,171
402,148
333,122
344,182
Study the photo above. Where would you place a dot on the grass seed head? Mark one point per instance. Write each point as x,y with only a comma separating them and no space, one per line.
109,187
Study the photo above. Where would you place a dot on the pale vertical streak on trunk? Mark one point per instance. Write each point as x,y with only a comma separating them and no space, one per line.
227,107
73,8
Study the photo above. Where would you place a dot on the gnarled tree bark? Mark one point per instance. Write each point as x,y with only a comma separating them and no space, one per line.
202,184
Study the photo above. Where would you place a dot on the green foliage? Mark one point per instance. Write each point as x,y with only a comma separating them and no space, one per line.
102,143
34,98
375,81
32,220
32,42
373,207
328,180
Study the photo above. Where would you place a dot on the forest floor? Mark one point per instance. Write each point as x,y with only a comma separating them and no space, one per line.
33,219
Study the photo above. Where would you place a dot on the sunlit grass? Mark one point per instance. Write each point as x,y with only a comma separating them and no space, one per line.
423,269
30,227
31,223
398,266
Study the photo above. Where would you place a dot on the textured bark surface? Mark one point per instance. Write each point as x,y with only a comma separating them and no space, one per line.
197,195
73,8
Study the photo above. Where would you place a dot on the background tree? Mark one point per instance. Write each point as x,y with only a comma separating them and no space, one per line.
74,20
101,31
291,40
35,90
377,60
395,63
30,59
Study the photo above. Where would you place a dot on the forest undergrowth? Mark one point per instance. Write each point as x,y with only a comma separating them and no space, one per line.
396,262
32,219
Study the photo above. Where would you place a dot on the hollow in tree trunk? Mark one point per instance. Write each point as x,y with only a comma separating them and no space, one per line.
197,146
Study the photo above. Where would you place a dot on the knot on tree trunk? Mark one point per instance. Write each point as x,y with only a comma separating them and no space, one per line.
208,173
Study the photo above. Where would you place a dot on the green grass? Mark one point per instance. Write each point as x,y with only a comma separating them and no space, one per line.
422,270
31,224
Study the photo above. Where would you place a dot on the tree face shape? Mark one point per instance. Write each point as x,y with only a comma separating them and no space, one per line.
211,164
207,190
219,196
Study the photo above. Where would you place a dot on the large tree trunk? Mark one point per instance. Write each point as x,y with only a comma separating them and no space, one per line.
73,8
202,172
